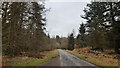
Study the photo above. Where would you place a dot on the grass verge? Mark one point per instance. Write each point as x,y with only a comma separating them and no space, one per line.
24,63
36,62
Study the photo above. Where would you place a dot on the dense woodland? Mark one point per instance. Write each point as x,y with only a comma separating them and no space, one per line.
102,28
23,28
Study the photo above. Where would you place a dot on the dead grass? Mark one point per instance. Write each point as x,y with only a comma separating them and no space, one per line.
23,60
100,60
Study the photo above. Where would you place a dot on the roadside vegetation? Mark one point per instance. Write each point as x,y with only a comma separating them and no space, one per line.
30,61
103,59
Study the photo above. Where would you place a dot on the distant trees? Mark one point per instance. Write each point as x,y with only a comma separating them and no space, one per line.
58,40
71,41
102,27
23,26
64,43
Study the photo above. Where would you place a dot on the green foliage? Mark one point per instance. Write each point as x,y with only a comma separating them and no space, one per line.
102,27
71,42
81,37
23,28
82,29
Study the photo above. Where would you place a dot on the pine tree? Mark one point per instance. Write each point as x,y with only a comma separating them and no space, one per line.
71,41
11,20
113,18
81,36
102,23
23,28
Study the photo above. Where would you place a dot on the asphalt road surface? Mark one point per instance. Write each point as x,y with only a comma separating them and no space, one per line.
67,59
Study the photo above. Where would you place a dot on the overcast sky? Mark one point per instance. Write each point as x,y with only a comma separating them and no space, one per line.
64,17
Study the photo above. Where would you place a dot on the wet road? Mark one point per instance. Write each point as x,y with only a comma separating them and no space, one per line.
67,59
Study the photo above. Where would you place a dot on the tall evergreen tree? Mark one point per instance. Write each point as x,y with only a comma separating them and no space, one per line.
112,16
81,36
11,20
23,28
82,29
71,41
101,21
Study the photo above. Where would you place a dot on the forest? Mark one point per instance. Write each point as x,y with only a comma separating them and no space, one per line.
24,29
102,30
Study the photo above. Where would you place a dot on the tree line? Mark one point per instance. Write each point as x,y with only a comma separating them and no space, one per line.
102,28
23,28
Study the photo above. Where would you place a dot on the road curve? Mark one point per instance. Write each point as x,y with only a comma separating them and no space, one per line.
67,59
